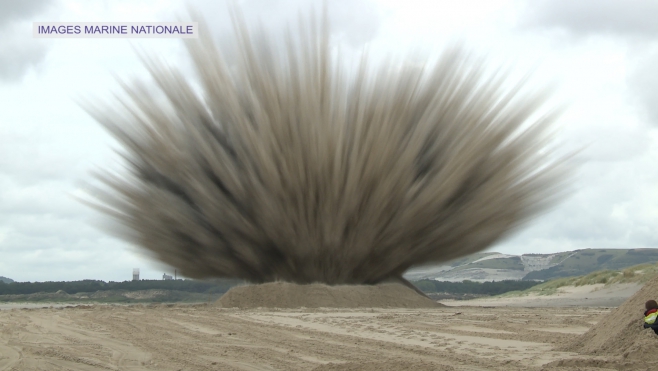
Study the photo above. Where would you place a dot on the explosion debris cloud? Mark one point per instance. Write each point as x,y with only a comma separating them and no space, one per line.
287,167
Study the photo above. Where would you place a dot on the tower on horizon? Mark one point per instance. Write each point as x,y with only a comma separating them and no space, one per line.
135,274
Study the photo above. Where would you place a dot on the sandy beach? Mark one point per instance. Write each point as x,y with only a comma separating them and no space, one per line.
493,334
175,337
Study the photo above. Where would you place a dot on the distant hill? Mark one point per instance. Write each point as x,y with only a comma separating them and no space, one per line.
6,280
494,266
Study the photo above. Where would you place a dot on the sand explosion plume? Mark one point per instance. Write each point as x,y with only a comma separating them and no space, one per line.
286,167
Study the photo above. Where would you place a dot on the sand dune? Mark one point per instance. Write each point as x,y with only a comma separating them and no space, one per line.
568,296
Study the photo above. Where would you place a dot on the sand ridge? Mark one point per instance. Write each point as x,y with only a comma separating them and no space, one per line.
289,295
621,332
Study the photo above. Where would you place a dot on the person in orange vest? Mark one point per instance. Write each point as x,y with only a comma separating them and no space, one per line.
651,315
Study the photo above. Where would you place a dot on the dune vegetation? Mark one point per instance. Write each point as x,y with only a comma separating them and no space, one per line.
640,274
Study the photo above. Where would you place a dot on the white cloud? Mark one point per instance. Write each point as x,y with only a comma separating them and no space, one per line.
643,81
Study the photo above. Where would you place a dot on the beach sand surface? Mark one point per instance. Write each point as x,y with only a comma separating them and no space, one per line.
206,337
568,296
523,333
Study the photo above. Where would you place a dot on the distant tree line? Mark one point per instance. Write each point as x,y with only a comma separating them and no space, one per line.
471,287
222,285
74,287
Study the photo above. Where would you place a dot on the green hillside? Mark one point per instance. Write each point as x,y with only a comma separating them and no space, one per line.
6,280
488,266
582,262
640,273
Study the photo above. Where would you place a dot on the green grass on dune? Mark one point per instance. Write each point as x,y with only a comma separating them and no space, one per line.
636,274
584,262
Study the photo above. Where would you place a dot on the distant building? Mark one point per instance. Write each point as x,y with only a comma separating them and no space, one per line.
135,274
167,277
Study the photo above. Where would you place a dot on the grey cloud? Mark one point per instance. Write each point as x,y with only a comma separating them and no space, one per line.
16,58
66,256
18,50
13,11
354,22
587,17
605,211
45,234
643,82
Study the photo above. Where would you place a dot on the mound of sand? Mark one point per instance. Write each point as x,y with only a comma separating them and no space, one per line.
621,332
384,366
288,295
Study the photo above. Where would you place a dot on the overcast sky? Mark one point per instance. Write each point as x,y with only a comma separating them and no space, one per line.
602,54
